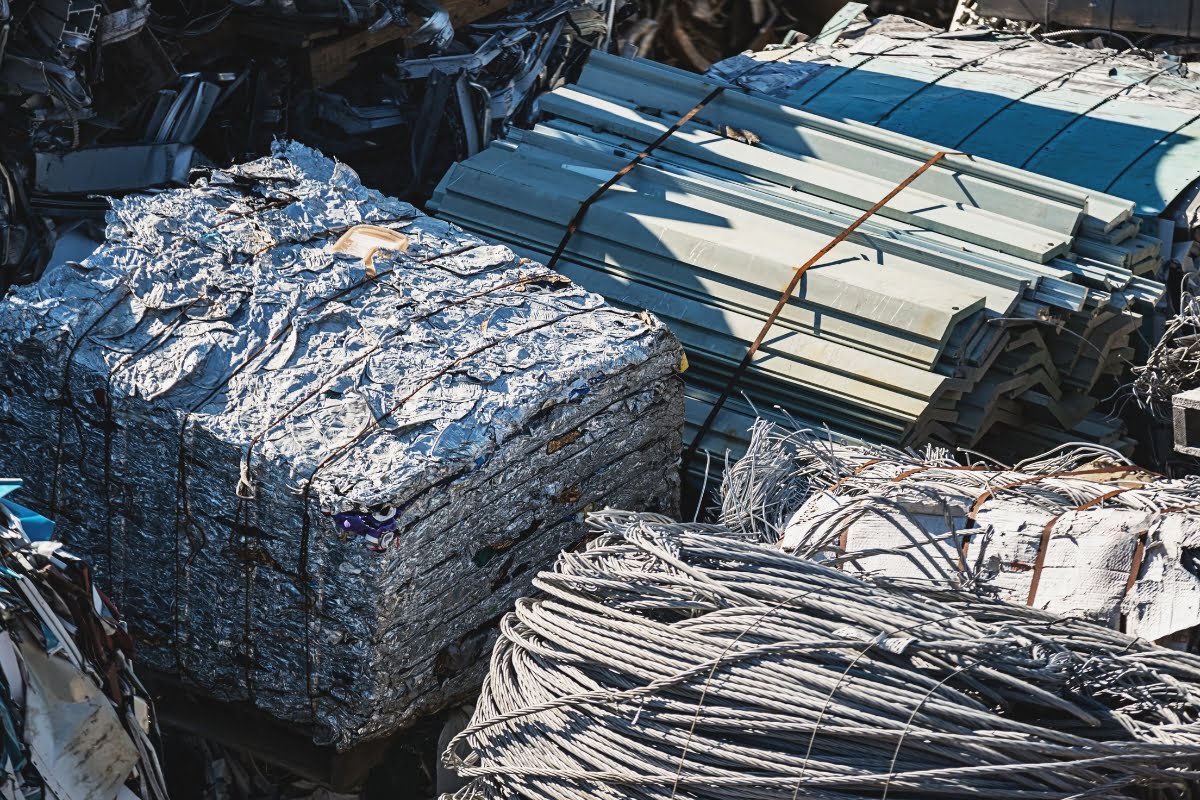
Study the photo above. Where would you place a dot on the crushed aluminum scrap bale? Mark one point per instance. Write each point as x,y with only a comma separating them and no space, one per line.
76,721
233,417
672,660
1078,531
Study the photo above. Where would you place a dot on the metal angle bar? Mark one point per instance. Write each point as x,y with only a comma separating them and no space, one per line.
628,76
843,289
879,233
573,225
791,288
976,224
651,293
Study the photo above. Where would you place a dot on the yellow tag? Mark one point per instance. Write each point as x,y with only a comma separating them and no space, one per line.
683,364
365,241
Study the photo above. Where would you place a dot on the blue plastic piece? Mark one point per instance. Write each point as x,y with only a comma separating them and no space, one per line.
36,527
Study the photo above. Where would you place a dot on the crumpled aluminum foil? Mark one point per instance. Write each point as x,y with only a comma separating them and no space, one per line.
200,397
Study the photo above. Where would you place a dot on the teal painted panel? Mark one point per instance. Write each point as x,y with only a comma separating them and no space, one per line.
818,83
1096,149
866,94
1115,145
1163,172
952,109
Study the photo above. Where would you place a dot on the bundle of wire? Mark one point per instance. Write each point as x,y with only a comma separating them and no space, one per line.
671,660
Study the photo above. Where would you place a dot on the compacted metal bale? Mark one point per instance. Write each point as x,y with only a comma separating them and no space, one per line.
319,463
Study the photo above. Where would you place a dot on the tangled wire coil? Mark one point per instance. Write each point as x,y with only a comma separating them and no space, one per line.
674,660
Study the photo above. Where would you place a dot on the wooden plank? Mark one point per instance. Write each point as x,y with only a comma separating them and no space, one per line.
330,62
464,12
245,729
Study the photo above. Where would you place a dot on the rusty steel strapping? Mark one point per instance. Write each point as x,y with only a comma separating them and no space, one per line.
1039,564
786,295
619,175
577,220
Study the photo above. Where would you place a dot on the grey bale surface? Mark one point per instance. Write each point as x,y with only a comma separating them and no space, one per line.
201,396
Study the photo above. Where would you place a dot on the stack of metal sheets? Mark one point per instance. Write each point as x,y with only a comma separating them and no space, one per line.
1120,122
982,304
317,460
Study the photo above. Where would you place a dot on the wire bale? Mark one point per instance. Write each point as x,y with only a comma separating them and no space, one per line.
1078,530
674,660
784,468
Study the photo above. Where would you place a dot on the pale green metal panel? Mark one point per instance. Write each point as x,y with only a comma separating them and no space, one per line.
908,329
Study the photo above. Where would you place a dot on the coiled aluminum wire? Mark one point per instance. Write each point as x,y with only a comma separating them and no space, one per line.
673,660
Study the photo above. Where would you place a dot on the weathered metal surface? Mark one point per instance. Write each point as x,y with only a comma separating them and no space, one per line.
950,315
1177,17
1116,123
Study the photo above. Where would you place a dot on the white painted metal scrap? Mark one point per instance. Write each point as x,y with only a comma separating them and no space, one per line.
1080,531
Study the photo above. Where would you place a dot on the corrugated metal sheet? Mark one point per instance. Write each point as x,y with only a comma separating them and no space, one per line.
981,300
1115,123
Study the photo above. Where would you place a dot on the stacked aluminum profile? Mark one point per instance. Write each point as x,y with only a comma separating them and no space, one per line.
983,306
318,475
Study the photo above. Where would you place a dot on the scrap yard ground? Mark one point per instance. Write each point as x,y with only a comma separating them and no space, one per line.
599,399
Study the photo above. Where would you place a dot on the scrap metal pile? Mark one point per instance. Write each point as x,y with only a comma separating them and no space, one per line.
673,660
108,96
1169,24
694,34
75,722
316,440
983,306
1079,531
1173,364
